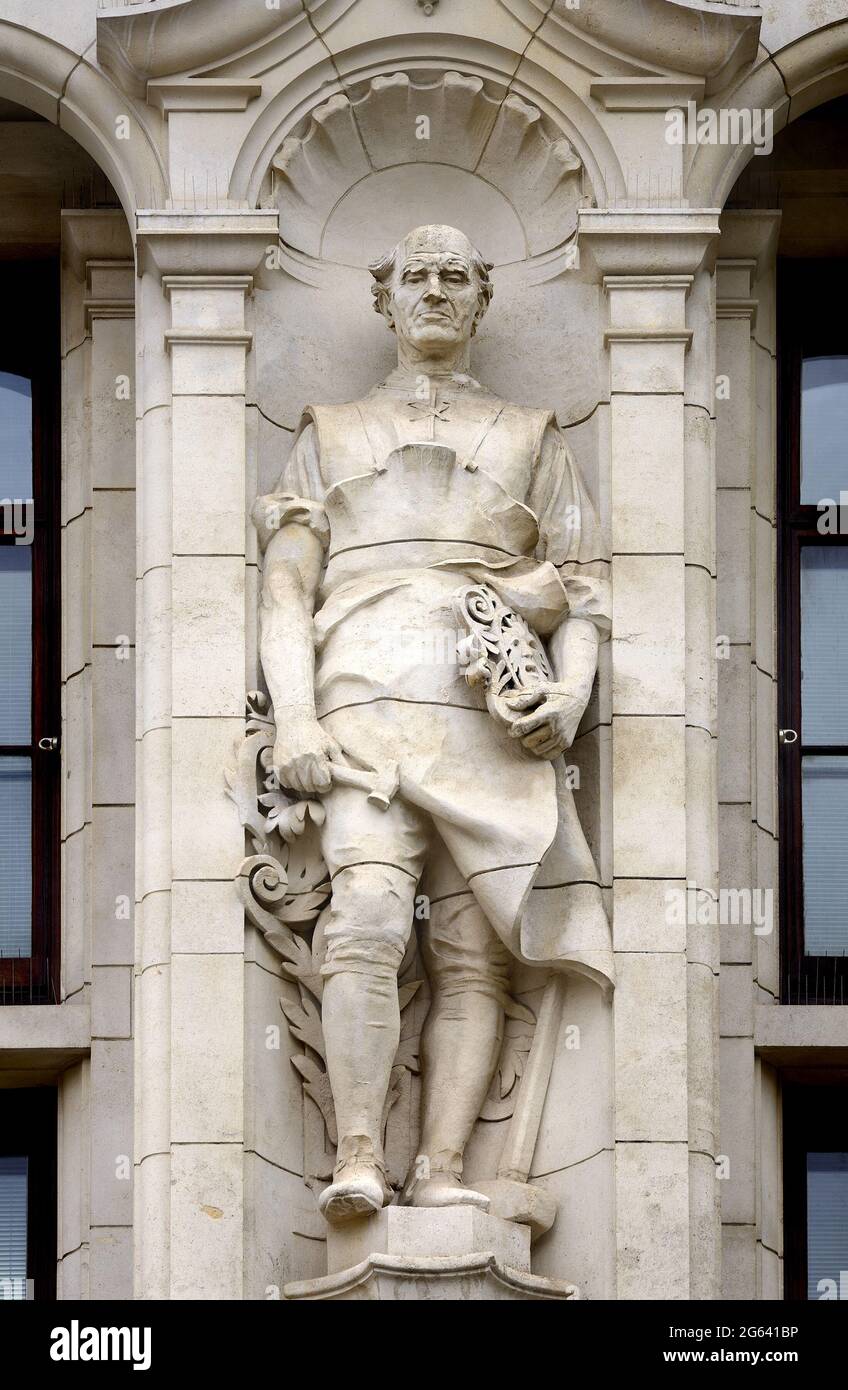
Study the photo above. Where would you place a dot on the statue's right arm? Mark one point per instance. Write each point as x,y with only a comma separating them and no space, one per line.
293,565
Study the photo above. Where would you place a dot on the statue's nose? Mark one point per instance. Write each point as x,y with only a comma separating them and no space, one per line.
434,288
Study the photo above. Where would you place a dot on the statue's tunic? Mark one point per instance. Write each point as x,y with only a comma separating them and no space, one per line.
402,533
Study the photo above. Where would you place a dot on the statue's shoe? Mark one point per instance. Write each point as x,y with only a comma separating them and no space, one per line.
360,1192
446,1190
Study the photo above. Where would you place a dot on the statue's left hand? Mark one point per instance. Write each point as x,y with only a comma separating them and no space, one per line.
550,726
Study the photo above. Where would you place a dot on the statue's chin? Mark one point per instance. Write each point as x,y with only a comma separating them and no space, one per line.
436,338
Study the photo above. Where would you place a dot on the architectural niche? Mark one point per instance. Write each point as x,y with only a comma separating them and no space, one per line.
450,121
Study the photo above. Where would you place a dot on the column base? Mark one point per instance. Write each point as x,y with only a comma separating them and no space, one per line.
409,1253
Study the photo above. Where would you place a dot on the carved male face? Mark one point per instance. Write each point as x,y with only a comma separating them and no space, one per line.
433,297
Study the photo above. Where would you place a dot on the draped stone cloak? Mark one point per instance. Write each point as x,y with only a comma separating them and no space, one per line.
403,531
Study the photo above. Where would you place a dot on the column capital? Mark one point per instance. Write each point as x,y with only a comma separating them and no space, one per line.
225,242
750,233
110,290
648,242
94,235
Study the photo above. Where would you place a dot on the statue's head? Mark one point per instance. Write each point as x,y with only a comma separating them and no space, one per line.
432,289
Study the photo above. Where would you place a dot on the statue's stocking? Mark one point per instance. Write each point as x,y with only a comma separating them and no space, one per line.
459,1051
361,1022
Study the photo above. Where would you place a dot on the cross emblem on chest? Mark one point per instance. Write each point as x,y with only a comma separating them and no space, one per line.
431,410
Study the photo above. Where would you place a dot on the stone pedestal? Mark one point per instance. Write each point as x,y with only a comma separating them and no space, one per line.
406,1253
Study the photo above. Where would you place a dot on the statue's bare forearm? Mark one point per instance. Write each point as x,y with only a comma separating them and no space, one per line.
302,751
290,583
574,653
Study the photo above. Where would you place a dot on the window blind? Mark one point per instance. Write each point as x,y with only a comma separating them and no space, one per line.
13,1228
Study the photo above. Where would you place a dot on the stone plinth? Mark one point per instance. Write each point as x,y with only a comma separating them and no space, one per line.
406,1253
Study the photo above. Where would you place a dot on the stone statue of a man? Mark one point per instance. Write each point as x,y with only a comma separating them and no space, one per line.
431,517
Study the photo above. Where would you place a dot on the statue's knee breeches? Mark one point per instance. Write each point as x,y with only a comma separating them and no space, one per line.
375,860
369,921
462,951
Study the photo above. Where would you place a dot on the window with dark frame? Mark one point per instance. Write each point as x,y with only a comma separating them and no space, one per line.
812,548
30,635
28,1194
815,1185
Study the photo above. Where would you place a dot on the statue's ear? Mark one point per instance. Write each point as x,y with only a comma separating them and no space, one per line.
383,304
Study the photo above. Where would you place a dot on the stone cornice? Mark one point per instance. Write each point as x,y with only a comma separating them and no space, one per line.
218,337
95,234
737,309
646,93
106,278
750,232
648,241
202,94
223,242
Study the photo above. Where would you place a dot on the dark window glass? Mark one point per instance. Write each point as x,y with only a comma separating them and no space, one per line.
15,437
825,855
30,636
812,586
824,427
28,1193
827,1222
824,644
815,1183
15,644
15,857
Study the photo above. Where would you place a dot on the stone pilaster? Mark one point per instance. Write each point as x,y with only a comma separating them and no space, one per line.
193,637
663,739
98,683
746,530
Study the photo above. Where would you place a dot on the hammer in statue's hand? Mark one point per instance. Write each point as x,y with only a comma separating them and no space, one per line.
380,785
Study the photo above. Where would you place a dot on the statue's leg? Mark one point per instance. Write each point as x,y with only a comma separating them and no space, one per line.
375,860
468,967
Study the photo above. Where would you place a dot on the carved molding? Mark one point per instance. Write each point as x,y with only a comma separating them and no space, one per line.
202,94
676,37
44,75
160,38
811,70
223,242
387,1277
503,140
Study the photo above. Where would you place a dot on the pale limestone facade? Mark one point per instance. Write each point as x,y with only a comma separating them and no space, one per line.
262,154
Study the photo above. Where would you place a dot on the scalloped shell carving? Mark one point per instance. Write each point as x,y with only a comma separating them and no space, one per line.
460,112
541,176
497,137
